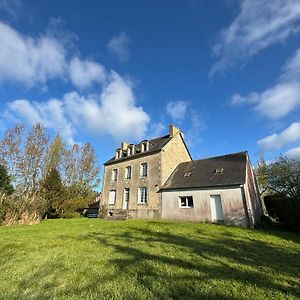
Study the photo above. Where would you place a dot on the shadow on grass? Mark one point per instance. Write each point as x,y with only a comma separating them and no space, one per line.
162,262
178,266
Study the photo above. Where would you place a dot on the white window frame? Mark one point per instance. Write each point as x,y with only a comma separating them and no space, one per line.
115,175
112,201
186,199
127,173
126,194
143,195
142,173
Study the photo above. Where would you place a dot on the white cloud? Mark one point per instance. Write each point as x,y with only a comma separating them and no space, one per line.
291,70
277,141
293,153
114,113
83,73
177,110
278,101
28,60
51,113
118,45
34,61
259,24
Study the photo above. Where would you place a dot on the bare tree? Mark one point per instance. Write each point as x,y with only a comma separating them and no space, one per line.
34,157
11,152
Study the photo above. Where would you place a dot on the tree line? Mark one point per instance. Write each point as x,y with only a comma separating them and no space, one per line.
44,175
279,184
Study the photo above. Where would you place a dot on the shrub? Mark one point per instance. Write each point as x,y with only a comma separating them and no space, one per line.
26,209
284,209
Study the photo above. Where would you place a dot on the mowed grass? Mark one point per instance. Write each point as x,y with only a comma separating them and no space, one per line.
97,259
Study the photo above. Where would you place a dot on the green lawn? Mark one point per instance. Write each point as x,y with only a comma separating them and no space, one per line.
96,259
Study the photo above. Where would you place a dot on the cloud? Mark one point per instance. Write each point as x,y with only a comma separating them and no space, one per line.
118,46
277,141
113,113
28,60
11,7
258,25
293,153
83,73
34,61
287,90
177,110
51,113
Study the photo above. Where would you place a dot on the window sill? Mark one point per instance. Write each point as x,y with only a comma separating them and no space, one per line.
185,207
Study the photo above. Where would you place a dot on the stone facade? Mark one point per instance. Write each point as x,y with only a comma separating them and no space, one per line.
160,164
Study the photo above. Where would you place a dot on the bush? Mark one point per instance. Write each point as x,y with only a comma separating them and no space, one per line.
284,209
26,209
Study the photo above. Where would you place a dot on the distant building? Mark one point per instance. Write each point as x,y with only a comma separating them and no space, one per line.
158,179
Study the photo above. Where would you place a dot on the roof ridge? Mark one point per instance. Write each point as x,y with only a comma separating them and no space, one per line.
224,155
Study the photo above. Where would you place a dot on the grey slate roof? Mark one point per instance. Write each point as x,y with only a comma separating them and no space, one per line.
155,145
201,173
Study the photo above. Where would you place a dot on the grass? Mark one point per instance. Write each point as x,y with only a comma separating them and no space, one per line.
96,259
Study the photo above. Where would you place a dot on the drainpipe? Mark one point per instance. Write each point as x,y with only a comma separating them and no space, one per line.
249,223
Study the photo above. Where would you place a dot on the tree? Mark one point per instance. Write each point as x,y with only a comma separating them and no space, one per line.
81,169
54,156
33,161
284,176
11,152
53,191
5,182
262,174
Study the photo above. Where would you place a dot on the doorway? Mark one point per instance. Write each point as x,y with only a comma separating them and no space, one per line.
216,208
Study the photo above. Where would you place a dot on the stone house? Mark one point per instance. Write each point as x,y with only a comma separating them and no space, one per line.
133,177
158,179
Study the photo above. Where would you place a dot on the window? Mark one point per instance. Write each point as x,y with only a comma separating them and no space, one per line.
112,197
219,171
126,199
128,172
115,174
144,169
186,202
143,195
126,195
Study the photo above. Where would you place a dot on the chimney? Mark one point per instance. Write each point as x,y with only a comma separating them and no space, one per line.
124,146
173,130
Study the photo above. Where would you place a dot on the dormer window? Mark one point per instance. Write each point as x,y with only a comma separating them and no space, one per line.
145,146
219,171
118,154
187,174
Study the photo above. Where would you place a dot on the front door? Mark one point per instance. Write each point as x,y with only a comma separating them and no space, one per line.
216,208
126,199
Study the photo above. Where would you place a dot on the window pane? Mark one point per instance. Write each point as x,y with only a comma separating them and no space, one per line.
112,197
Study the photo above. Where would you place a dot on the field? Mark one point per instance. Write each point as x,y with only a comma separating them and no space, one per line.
96,259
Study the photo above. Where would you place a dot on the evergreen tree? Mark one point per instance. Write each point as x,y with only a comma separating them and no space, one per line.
54,193
5,182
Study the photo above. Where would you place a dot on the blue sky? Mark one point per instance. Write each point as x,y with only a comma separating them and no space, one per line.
226,72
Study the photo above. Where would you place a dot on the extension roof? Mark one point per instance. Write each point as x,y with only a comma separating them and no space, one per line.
226,170
155,145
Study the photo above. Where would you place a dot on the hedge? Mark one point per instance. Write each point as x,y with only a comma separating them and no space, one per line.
286,210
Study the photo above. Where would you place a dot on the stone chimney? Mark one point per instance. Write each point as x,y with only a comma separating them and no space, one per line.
173,130
124,146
